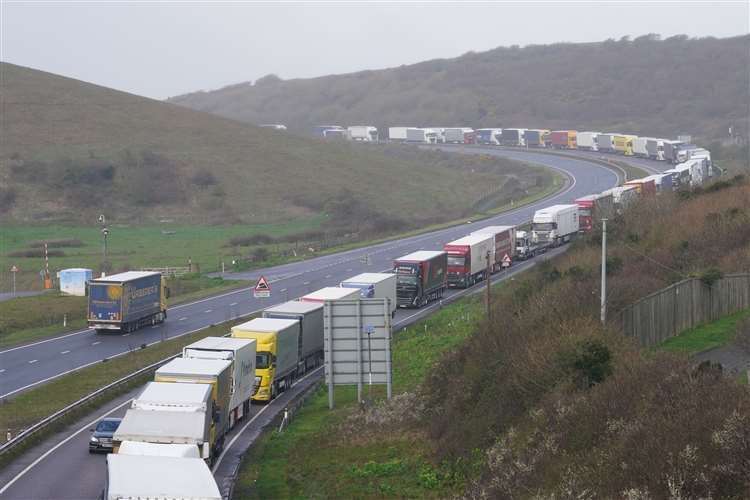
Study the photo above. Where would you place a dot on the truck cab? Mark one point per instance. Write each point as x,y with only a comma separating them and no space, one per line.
525,247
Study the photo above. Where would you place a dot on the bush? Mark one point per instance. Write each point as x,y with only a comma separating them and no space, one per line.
36,253
204,178
247,241
66,243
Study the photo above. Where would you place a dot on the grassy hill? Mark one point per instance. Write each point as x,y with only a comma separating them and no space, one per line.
644,86
71,150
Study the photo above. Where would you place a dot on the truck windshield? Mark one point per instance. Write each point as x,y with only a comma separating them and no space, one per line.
406,280
456,260
544,226
584,212
262,360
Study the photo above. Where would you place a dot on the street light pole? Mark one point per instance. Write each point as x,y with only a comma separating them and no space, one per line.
604,272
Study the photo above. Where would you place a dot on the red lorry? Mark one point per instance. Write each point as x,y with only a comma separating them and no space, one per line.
505,244
563,139
593,208
643,186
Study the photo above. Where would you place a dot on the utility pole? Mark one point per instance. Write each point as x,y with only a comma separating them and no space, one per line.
604,272
488,274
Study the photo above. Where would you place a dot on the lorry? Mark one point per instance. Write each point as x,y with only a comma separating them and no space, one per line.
277,358
363,133
606,143
536,138
643,186
525,246
639,146
215,372
555,225
588,141
241,352
459,135
663,182
513,137
320,130
374,286
489,136
623,144
330,293
655,148
127,301
563,139
397,134
690,153
337,133
622,196
592,209
310,318
505,245
468,259
162,477
420,277
670,150
421,135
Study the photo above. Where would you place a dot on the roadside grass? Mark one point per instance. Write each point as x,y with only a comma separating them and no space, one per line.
31,406
705,337
308,461
25,319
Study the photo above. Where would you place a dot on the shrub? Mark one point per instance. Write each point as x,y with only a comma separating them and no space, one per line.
65,243
204,178
36,253
255,239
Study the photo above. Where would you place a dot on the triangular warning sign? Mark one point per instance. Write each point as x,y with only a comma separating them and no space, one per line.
506,258
262,285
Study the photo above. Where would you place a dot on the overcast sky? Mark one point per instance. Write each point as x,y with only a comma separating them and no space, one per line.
162,49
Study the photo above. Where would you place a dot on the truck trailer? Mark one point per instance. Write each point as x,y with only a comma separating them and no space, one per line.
655,148
330,293
644,186
592,209
241,352
588,141
162,477
467,259
127,301
663,182
624,144
513,137
536,138
363,133
670,150
606,143
489,136
374,286
310,318
277,358
555,225
505,244
563,139
459,135
526,248
421,277
397,134
322,130
622,196
421,135
640,146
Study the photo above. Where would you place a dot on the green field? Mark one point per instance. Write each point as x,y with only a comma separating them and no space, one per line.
705,337
308,460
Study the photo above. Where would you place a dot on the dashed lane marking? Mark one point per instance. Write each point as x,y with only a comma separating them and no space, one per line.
97,342
33,361
64,352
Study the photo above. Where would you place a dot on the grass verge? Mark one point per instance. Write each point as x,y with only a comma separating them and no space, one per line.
308,461
705,337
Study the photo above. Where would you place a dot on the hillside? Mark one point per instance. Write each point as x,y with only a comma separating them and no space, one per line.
644,86
71,150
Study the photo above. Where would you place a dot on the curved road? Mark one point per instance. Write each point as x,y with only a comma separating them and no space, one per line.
29,365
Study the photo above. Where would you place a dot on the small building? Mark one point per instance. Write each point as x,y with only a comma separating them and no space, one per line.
73,281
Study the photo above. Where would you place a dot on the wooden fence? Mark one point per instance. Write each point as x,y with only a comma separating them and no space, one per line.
684,305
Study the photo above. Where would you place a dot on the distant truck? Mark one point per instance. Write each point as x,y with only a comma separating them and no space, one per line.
555,225
526,248
513,137
505,244
167,413
330,293
215,372
640,146
467,259
644,187
655,148
622,196
489,136
397,134
670,150
275,126
127,301
588,141
374,286
624,144
162,477
563,139
320,130
363,133
276,361
594,208
241,352
663,182
421,135
536,138
606,143
310,317
460,135
421,277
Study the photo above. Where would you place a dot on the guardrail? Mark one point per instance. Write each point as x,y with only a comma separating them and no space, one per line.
169,271
47,421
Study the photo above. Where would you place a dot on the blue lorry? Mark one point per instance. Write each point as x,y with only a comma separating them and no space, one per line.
127,301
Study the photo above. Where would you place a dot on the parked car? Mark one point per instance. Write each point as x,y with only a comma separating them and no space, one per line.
101,439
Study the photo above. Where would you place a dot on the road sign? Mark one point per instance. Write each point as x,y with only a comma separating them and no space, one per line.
262,288
14,269
506,260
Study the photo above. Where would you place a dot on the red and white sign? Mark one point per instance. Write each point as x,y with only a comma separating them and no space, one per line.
506,260
262,288
14,269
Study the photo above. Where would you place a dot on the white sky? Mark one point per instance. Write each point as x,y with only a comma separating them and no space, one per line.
162,49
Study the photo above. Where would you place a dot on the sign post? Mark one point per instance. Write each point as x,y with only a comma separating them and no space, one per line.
262,289
14,270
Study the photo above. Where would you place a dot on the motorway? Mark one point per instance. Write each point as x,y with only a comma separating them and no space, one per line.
61,467
29,365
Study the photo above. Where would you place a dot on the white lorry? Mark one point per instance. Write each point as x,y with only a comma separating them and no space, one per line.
330,293
467,259
421,135
363,133
622,196
555,225
241,352
588,140
162,477
374,286
397,134
505,245
640,146
310,317
458,135
525,246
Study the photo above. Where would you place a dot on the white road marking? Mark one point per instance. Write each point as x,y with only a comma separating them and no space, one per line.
33,361
306,283
2,370
97,342
328,276
182,318
58,445
128,335
233,304
283,290
64,352
349,270
207,311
